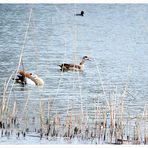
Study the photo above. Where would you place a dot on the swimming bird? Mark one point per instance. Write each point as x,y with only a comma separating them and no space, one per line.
74,67
80,14
28,78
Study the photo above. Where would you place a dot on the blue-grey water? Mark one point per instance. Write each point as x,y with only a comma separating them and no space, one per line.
115,36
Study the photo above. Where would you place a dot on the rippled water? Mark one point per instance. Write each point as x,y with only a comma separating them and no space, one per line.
115,36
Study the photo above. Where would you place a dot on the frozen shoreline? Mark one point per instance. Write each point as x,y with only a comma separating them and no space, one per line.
34,138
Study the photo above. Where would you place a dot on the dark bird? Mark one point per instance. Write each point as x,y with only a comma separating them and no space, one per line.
80,14
74,67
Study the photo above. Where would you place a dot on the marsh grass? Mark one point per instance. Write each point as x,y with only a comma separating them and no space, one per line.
108,125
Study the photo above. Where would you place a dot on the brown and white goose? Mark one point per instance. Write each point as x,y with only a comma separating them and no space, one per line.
28,78
74,67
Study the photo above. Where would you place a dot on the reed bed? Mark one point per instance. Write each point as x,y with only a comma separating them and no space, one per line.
108,125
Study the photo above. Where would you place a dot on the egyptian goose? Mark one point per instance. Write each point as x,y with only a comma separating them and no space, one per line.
28,78
74,67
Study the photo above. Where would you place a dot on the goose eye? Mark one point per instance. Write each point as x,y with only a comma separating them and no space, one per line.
85,57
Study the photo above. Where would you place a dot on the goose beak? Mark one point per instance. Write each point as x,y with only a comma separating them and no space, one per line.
89,59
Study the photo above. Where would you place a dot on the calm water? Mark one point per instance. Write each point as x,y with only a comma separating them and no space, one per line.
115,36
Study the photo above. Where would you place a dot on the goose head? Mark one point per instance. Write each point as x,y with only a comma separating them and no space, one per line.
85,58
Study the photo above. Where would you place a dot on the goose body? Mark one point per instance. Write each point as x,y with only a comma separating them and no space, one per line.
71,67
28,78
74,67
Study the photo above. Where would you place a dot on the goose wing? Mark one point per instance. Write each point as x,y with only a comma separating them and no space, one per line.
66,66
69,66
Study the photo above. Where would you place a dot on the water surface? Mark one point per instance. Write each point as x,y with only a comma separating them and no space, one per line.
115,36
